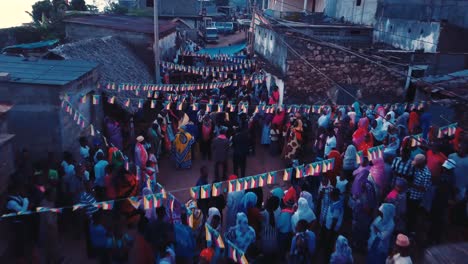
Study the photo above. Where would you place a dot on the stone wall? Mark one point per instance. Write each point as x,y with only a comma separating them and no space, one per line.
372,82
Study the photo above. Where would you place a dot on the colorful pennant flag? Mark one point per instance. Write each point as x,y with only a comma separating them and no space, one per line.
217,189
262,180
271,179
232,185
287,174
299,171
134,202
96,99
205,191
195,192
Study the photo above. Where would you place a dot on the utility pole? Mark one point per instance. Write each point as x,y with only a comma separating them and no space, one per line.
156,42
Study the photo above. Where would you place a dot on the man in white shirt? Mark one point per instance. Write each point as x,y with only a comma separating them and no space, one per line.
99,174
400,254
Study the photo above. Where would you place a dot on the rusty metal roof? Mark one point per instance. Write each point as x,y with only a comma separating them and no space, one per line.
124,23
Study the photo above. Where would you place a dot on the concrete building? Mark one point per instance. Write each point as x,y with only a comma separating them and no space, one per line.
288,6
428,25
136,31
35,87
7,166
179,8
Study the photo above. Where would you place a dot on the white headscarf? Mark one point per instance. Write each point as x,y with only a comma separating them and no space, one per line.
212,212
379,132
303,213
385,225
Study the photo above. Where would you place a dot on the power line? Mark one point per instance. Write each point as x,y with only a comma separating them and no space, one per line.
372,61
390,33
337,84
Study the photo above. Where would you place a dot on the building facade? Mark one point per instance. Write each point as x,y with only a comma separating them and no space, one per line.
7,166
426,25
35,87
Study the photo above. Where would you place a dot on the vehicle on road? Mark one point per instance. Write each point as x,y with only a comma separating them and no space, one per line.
210,34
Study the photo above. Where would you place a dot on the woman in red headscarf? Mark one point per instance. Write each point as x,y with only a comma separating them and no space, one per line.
413,121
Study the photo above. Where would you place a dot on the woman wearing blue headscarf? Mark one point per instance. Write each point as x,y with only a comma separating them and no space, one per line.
343,253
357,110
248,206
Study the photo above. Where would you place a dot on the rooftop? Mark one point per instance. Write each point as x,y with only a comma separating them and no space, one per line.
32,46
37,71
124,23
117,63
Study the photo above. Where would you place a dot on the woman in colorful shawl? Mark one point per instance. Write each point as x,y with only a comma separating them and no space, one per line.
362,203
181,149
343,253
324,191
291,146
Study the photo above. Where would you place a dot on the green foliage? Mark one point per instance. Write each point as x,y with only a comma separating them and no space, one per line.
40,8
222,2
92,8
115,8
45,11
78,5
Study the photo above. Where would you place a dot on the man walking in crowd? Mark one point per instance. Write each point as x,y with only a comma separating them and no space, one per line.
220,146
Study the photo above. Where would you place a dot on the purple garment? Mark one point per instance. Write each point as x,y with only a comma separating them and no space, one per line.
360,178
115,134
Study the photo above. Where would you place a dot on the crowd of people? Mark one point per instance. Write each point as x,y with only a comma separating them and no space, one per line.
374,207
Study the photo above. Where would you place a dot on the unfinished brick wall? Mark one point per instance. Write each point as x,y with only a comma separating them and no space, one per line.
375,83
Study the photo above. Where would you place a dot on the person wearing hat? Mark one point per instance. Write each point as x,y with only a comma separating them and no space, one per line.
442,194
397,197
400,253
141,157
421,183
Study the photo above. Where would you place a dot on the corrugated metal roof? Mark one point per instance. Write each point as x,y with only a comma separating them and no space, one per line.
52,72
125,23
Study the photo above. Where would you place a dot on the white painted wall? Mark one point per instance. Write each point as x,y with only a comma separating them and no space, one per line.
408,34
362,14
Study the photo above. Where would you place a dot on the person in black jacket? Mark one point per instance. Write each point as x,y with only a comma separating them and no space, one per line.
240,146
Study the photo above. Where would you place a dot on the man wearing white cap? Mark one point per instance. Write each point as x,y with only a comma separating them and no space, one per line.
440,204
419,186
400,253
141,157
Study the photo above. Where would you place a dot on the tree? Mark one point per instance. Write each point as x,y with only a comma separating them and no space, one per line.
41,8
222,2
78,5
115,8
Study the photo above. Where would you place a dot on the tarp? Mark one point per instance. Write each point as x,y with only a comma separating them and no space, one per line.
34,45
226,50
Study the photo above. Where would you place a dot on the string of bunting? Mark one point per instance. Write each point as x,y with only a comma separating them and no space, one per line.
219,57
372,154
448,130
207,70
148,201
260,180
212,235
235,253
218,105
150,87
